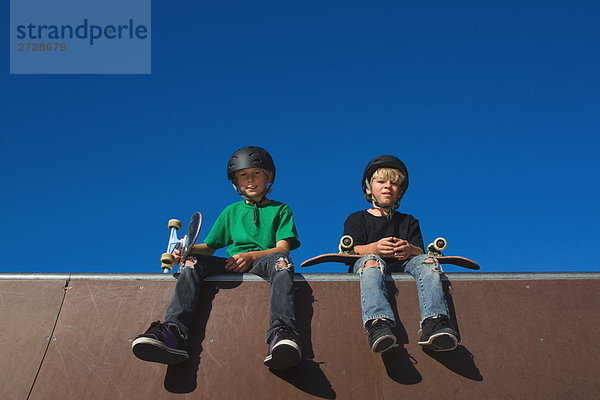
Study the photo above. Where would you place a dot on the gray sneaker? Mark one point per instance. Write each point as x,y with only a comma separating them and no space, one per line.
438,334
161,343
284,350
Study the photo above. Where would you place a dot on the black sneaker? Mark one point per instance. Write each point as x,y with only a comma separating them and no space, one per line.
284,350
381,337
438,334
161,343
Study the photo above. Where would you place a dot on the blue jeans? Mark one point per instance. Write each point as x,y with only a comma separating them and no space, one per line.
281,277
373,290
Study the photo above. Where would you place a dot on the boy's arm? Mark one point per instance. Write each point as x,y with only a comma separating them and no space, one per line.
383,247
197,249
202,249
242,261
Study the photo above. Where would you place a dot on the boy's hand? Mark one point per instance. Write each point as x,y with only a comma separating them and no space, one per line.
239,262
404,250
177,255
386,247
189,262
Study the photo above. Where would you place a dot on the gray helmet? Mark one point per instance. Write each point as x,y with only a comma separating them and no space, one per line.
250,157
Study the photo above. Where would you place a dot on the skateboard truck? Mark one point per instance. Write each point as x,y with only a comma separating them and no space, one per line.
184,244
435,248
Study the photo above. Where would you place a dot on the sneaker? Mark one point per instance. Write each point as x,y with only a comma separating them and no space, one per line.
438,334
381,337
161,343
284,350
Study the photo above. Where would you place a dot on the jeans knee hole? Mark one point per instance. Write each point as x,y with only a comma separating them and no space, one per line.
282,264
432,263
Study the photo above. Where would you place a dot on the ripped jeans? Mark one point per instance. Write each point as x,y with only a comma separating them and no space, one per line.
187,290
373,290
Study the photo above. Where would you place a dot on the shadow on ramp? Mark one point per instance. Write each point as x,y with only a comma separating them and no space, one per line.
460,361
309,378
400,366
183,378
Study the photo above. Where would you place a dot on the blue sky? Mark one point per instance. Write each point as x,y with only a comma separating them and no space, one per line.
492,105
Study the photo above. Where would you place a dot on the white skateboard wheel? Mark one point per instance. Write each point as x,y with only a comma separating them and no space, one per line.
346,242
174,223
439,244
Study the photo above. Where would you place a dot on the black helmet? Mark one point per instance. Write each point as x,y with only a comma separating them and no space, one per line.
250,157
384,161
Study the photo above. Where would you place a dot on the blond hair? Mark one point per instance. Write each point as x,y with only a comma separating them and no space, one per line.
388,174
269,174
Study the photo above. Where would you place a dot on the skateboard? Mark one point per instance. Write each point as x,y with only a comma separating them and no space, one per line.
348,257
184,244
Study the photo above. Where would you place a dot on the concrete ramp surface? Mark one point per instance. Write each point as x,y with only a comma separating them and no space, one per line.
528,336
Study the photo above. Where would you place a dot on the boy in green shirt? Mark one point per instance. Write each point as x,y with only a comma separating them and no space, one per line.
260,234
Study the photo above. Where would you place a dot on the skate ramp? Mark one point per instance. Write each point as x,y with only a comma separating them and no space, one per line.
524,336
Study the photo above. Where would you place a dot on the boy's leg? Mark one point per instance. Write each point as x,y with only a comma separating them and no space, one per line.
377,313
184,301
438,331
283,335
166,342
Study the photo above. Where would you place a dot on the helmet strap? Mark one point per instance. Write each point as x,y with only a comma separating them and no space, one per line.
387,210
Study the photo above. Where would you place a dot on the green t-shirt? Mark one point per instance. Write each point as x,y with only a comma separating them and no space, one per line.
235,226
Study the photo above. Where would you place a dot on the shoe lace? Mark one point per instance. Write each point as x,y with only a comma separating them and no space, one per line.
441,323
287,333
437,324
378,324
154,326
159,328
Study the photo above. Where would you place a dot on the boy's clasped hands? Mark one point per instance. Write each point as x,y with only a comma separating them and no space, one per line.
397,248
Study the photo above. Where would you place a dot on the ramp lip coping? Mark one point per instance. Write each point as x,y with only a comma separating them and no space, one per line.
299,277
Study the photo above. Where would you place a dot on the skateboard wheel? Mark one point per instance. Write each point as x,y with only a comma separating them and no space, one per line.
166,267
439,244
174,223
167,259
346,242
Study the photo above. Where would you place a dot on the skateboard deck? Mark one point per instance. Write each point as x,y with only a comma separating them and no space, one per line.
184,244
350,258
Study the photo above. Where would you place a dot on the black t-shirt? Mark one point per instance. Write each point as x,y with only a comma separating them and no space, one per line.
366,228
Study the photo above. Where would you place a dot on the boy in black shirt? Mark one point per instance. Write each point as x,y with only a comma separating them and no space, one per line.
381,232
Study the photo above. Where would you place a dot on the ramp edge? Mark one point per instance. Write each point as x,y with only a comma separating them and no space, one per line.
301,277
